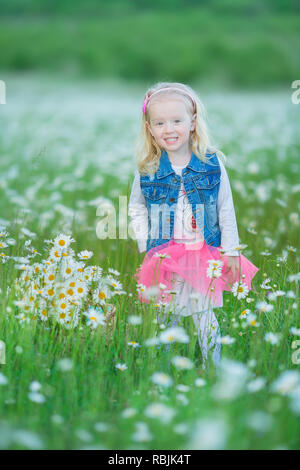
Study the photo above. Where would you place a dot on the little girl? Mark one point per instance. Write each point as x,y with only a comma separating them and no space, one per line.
182,214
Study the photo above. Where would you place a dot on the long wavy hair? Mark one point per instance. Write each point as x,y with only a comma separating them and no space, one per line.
148,152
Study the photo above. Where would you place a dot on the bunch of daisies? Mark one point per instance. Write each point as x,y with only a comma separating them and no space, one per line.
62,288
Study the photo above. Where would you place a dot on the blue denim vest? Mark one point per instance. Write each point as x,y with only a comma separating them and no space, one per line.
201,183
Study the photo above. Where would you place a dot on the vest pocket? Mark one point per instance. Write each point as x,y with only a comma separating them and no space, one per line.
207,186
154,192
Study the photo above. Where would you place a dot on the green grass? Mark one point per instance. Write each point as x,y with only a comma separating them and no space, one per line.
197,45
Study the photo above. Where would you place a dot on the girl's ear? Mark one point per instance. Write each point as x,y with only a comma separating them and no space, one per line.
149,128
193,123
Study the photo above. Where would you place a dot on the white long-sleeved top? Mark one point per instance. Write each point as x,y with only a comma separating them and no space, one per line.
183,231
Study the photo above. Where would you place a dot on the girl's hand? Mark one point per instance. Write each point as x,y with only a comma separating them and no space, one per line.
233,265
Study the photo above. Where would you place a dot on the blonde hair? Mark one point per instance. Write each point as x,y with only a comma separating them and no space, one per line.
148,152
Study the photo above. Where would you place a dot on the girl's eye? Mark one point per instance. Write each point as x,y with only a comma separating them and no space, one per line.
177,120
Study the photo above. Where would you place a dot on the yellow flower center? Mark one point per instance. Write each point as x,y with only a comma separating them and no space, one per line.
61,242
101,295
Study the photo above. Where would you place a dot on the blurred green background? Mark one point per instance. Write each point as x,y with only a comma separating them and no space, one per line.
226,43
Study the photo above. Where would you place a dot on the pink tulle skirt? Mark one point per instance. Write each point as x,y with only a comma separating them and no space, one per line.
162,265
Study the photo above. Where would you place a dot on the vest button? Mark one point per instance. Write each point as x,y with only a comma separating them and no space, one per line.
172,199
174,180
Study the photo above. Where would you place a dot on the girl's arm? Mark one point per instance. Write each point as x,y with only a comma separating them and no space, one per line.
138,213
226,215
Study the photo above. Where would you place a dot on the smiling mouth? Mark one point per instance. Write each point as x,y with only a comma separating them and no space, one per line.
171,139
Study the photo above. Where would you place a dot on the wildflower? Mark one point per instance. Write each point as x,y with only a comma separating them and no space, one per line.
263,306
94,317
121,367
259,421
3,379
161,255
173,334
85,254
113,271
272,338
142,433
240,290
265,285
183,388
140,288
35,386
101,427
295,331
209,434
256,384
62,241
160,378
286,382
199,382
134,344
36,397
244,313
225,340
181,362
231,381
251,320
65,364
158,410
182,398
128,412
214,269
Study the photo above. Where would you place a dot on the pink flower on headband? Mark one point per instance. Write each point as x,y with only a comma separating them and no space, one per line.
163,89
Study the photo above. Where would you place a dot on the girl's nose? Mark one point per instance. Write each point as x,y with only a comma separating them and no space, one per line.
169,126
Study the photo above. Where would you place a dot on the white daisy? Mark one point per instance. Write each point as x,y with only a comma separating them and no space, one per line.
181,362
214,269
94,317
85,254
160,378
173,334
240,290
121,367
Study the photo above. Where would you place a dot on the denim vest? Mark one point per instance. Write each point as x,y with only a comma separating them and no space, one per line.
201,183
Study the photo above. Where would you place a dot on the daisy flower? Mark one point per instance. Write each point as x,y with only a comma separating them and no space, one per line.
158,410
161,255
295,331
214,269
94,317
251,320
62,241
240,290
121,367
225,340
160,378
113,271
85,254
272,338
134,344
173,334
264,306
181,362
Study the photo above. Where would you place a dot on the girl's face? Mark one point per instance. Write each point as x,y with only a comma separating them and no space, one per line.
170,123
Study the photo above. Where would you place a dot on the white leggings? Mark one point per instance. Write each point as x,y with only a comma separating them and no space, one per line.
189,302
